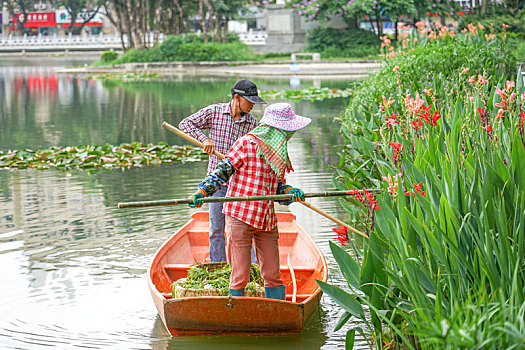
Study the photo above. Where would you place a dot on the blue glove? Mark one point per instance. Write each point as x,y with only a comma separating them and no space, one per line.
298,194
196,198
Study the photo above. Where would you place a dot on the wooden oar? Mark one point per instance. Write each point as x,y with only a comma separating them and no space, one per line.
196,142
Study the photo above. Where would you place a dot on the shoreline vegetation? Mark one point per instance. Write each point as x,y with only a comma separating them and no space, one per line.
192,48
440,129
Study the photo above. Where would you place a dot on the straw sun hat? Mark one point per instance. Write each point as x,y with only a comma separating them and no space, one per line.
282,116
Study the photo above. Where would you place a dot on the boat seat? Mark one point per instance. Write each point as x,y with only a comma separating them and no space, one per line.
297,268
176,267
281,268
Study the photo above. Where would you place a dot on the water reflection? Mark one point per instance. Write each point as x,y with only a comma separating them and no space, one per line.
74,265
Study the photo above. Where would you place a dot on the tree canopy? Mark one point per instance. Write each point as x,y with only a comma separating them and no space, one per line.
373,10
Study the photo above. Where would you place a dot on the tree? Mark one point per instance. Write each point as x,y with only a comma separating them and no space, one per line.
136,20
226,11
87,9
19,7
374,10
436,8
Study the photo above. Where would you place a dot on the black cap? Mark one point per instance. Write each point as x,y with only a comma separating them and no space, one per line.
248,90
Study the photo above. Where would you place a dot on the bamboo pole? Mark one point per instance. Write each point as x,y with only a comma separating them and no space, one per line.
189,138
334,219
273,197
292,274
314,208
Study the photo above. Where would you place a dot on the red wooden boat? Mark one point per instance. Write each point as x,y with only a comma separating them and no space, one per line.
236,315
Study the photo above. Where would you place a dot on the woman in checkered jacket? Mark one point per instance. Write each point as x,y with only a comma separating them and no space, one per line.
255,165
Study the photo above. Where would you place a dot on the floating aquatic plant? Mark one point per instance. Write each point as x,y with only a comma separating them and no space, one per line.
309,94
126,155
126,77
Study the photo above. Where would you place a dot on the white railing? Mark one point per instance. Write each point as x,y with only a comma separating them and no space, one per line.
69,42
98,42
61,42
253,37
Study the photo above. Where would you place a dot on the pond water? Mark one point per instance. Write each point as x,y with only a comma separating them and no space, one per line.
73,265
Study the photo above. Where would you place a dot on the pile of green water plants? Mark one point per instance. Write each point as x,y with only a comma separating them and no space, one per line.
308,94
443,267
136,154
214,280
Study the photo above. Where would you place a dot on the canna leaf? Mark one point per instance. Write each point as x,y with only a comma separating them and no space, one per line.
348,266
342,320
343,299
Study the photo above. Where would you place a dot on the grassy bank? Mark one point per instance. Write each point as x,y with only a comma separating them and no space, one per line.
191,47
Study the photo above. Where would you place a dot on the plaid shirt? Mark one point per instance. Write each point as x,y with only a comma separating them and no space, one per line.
223,130
248,175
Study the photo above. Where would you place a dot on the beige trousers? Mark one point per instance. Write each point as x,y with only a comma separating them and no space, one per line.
239,239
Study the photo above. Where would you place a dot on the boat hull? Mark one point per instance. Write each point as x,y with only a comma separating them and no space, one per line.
238,315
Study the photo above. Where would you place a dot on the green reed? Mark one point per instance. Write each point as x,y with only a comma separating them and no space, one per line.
445,266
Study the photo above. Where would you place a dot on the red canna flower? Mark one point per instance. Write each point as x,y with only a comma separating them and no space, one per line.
487,127
435,117
391,120
481,112
522,118
426,109
342,234
418,189
417,124
426,113
396,146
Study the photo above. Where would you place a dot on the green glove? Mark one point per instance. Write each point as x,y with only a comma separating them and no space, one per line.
196,198
298,194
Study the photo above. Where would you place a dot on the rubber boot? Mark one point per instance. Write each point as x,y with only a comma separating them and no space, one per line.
237,292
278,293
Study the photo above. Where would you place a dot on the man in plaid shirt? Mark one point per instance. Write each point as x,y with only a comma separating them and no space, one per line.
225,122
255,166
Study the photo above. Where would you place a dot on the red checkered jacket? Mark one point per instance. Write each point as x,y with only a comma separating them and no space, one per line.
247,174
